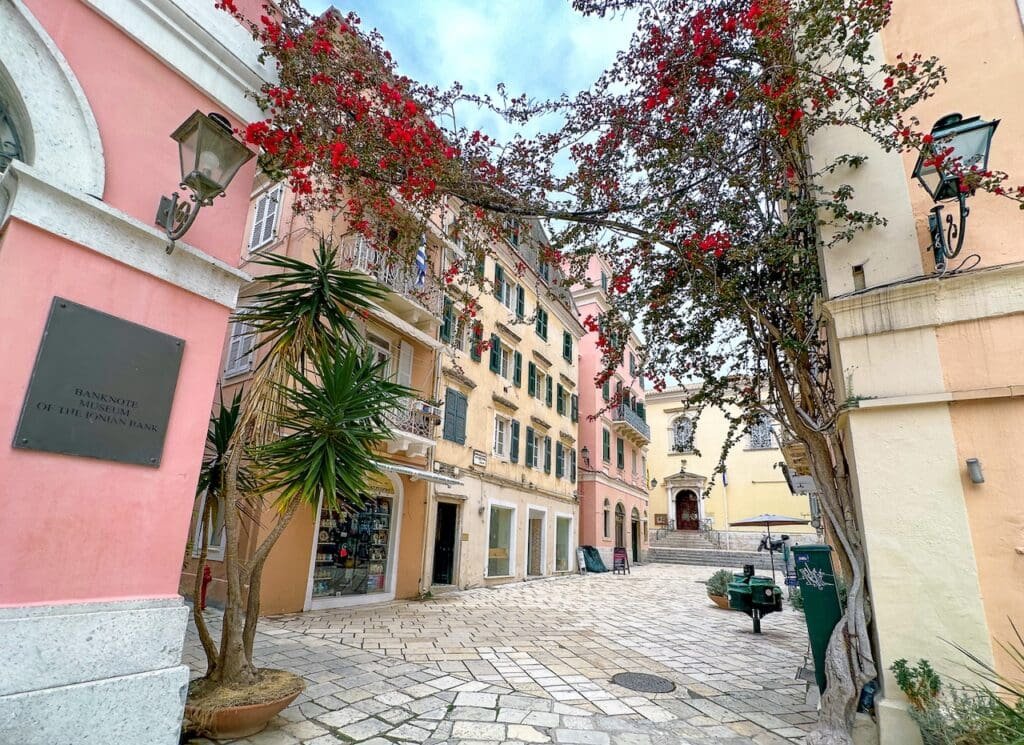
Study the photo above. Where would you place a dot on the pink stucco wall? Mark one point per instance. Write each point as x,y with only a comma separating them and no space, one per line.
78,529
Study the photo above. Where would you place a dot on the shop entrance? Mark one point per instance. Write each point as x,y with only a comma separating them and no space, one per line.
535,546
444,543
634,529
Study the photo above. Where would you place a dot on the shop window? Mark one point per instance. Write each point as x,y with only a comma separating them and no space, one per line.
499,543
563,543
353,550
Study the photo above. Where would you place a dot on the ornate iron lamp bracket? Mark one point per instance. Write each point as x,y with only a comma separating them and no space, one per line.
943,236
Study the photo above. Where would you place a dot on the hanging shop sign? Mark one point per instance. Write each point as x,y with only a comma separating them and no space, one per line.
102,387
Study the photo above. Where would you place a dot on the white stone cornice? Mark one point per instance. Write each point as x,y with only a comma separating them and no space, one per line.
99,227
204,45
930,301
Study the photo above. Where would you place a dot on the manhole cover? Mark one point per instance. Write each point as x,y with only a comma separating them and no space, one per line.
643,682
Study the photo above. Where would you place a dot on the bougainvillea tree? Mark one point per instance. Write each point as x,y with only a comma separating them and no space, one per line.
686,165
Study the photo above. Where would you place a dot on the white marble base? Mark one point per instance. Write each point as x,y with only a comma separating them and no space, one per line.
91,673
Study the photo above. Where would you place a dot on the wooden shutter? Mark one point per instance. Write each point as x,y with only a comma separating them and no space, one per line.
257,221
531,379
477,338
517,369
560,399
529,459
606,445
572,466
270,220
460,418
567,346
574,402
620,453
547,455
499,281
495,353
448,320
520,302
513,446
405,357
606,390
549,393
559,466
448,431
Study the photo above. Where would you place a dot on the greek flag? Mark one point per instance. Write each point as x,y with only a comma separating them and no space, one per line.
421,262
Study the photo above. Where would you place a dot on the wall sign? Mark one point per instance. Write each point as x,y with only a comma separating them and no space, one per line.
101,387
479,458
620,563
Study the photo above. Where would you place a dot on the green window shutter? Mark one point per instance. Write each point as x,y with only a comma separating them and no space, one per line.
550,392
540,325
460,419
567,346
513,446
481,264
520,302
547,455
528,459
499,279
641,411
620,453
574,403
606,390
447,320
560,400
531,379
606,445
604,281
477,337
545,334
632,364
517,369
455,405
559,468
495,353
448,431
572,466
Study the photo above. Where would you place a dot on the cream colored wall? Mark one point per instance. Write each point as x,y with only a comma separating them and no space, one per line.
754,487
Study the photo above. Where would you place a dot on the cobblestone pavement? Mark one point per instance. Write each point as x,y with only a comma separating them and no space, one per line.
532,662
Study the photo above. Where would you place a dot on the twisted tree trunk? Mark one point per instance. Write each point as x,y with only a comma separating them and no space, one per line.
205,638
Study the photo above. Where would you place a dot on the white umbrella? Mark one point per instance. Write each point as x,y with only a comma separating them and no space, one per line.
768,521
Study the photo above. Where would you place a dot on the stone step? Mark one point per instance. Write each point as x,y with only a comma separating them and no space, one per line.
711,557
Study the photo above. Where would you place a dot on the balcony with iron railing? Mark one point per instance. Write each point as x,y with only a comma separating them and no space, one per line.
419,303
414,427
631,425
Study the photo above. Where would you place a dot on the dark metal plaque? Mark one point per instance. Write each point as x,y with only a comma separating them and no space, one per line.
101,387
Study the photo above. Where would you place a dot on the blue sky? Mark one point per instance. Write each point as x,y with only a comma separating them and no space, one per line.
539,47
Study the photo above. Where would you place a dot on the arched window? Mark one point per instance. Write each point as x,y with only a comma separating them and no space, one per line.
10,142
682,435
761,434
607,519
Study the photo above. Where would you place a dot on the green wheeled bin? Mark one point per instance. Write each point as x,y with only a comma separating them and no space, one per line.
820,592
755,596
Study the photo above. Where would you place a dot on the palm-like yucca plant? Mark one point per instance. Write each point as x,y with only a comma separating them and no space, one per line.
303,428
1004,716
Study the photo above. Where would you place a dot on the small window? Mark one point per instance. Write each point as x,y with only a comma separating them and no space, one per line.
264,224
506,363
240,347
512,231
607,519
499,542
541,324
682,435
381,349
501,436
761,437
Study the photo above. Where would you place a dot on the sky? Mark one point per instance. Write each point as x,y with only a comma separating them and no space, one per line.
538,47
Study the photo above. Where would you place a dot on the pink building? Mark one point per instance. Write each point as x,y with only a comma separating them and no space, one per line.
613,444
111,352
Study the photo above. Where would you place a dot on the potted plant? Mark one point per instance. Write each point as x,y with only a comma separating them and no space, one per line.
718,588
302,430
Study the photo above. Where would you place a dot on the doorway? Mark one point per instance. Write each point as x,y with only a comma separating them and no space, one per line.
620,525
634,531
444,543
687,511
535,544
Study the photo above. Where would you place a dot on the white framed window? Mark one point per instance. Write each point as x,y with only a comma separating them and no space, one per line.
537,454
268,213
215,525
607,519
501,436
240,347
508,295
563,542
501,540
381,349
760,434
506,362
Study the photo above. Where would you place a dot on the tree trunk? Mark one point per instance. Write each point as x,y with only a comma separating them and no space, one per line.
234,667
209,648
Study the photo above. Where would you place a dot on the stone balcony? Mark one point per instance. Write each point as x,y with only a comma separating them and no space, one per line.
414,428
628,423
419,305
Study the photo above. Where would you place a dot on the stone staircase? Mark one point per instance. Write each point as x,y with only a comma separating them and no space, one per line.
690,547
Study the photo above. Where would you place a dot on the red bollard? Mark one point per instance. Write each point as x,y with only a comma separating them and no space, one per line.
207,578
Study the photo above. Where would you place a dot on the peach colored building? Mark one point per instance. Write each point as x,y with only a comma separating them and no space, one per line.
933,360
613,443
91,623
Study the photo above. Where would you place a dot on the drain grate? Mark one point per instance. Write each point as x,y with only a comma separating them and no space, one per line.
643,682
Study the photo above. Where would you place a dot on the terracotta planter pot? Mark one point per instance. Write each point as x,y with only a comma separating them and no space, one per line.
722,601
232,722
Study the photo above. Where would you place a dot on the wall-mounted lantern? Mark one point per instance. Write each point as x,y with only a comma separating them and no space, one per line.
940,175
210,157
585,454
974,471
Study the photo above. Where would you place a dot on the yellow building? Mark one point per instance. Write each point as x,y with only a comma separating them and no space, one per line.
683,494
508,384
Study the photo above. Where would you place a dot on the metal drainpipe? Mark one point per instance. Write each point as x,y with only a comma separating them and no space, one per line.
429,515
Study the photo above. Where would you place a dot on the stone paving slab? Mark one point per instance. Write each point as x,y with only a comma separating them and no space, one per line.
532,662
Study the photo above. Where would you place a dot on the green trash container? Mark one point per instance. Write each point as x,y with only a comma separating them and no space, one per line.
755,596
817,581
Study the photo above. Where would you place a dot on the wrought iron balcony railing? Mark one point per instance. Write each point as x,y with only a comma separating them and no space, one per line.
358,253
417,418
630,417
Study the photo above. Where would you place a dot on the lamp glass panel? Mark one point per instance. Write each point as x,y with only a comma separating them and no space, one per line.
188,146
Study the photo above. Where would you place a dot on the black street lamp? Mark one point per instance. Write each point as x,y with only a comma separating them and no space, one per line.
210,158
958,146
